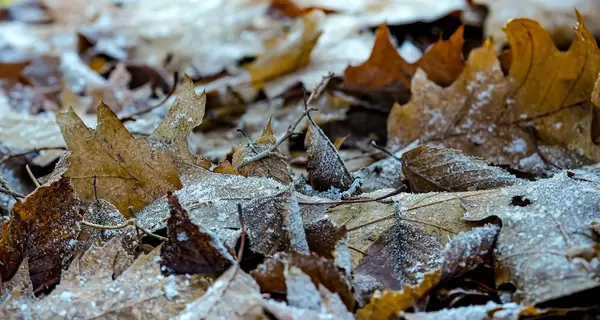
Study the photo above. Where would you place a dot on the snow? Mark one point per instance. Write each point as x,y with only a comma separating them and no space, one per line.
182,236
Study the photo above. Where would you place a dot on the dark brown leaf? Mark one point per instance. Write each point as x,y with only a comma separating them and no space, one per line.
191,249
43,228
326,169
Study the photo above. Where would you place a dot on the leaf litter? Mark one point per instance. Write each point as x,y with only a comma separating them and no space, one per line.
482,205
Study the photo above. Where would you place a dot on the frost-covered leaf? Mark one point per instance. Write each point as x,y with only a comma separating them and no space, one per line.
97,286
326,169
491,310
329,240
440,169
102,213
273,166
545,233
43,228
542,104
271,274
16,292
131,171
191,249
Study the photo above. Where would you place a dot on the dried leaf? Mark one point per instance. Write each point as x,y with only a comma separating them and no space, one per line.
389,304
130,171
87,290
545,230
289,53
225,167
438,169
508,311
12,70
16,292
329,240
486,114
270,275
326,169
274,166
191,249
235,295
102,213
42,228
339,142
443,63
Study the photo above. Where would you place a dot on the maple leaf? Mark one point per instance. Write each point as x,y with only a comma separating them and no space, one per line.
273,166
438,169
492,116
131,171
443,63
42,229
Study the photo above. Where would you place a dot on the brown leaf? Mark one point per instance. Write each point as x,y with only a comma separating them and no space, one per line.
225,167
439,169
486,114
545,236
274,166
191,249
443,63
270,276
131,171
388,304
12,70
326,169
102,213
235,295
42,228
87,290
508,311
16,292
290,52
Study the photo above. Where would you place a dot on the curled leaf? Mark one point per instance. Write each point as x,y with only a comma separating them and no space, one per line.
326,169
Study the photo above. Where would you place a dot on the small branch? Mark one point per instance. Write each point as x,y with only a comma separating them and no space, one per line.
140,112
360,200
250,143
130,222
5,188
384,150
272,149
31,176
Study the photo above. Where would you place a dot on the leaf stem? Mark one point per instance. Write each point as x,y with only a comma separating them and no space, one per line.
130,222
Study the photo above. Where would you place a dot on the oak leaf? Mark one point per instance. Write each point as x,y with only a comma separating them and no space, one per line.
42,228
543,103
131,171
439,169
273,166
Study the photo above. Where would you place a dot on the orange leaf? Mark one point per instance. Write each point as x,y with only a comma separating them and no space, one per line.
442,63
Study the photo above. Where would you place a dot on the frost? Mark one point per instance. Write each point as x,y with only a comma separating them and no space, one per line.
65,296
182,236
517,146
171,288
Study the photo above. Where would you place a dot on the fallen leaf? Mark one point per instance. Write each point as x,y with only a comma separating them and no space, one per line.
438,169
42,228
131,171
271,278
326,169
191,249
483,113
491,310
274,166
235,295
12,69
139,291
225,167
16,292
289,53
555,16
544,224
443,63
102,213
388,303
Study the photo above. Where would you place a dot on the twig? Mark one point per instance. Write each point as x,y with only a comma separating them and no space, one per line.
5,188
242,234
250,143
130,222
360,200
139,112
33,178
273,148
533,134
384,150
13,155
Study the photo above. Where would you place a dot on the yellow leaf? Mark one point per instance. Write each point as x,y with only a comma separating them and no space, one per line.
289,53
487,114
